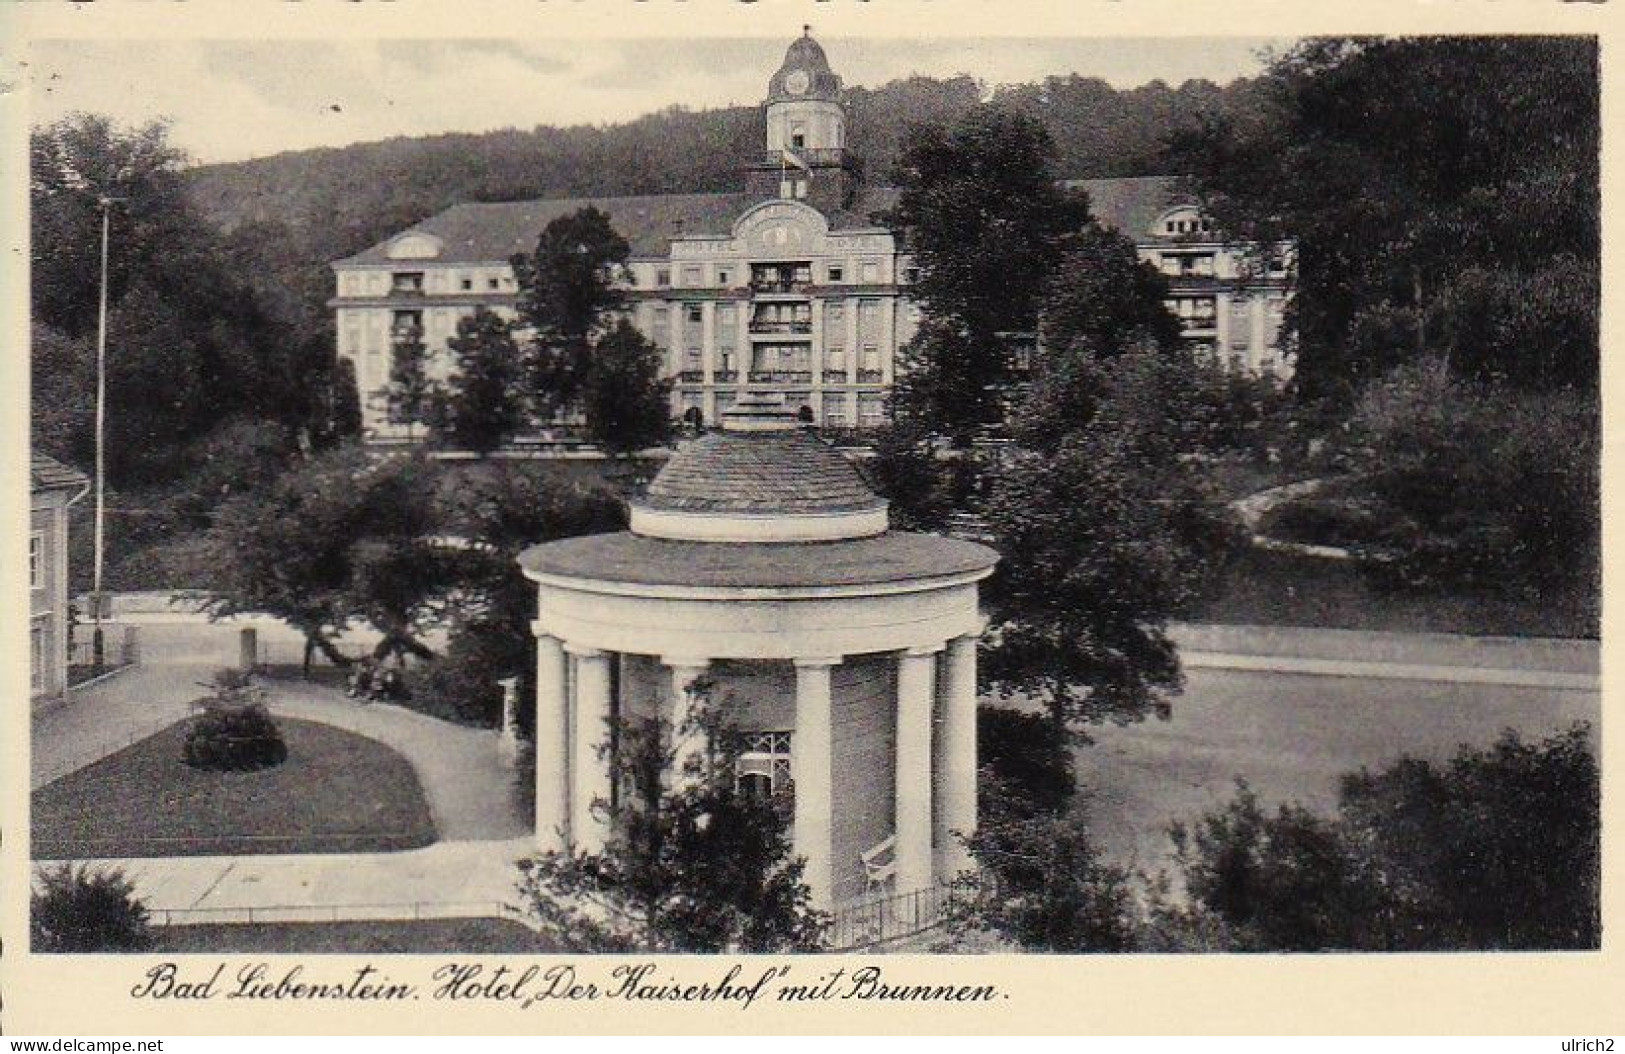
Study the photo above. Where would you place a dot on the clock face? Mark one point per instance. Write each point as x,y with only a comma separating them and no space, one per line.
796,82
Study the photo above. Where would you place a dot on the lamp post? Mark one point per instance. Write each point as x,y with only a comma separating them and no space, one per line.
97,648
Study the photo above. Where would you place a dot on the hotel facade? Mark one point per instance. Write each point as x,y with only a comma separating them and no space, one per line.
788,288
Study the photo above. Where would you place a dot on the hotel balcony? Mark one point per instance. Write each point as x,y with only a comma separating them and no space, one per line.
776,326
835,377
691,377
724,376
780,376
777,286
871,376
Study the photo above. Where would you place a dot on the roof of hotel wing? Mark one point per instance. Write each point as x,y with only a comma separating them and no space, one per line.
493,232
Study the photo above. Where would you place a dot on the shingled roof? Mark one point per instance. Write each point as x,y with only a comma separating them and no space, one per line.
892,557
47,473
490,232
787,473
1131,205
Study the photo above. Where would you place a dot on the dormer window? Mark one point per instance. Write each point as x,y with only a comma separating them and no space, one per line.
408,282
798,139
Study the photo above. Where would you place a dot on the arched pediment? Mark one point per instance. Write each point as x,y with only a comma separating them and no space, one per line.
414,245
780,227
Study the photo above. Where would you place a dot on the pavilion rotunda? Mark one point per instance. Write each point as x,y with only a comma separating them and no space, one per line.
759,560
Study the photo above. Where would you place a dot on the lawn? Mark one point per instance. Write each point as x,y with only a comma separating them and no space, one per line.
427,936
1273,588
337,793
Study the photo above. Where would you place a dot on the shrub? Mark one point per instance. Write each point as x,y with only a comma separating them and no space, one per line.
77,909
1490,489
1497,850
1041,884
234,732
461,685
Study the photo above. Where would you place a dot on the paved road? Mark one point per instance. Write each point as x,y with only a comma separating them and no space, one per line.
1290,735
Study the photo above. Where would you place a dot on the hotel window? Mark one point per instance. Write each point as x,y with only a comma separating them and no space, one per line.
835,411
466,283
36,560
762,769
837,273
493,283
726,319
406,282
662,276
723,276
870,272
871,357
691,276
911,275
693,313
691,359
662,327
871,410
835,357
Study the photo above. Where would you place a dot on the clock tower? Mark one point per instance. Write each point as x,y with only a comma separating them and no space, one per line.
806,132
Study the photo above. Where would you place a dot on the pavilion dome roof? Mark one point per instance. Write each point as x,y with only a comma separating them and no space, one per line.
762,477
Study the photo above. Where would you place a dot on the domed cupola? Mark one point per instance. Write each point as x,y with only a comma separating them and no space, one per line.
762,478
805,74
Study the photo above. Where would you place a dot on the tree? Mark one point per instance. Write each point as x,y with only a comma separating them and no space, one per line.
1105,531
1095,557
568,286
1443,195
691,863
1103,299
1028,771
412,394
986,221
189,343
501,513
339,538
626,402
484,402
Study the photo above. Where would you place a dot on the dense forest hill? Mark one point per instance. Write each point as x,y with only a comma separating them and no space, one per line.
292,213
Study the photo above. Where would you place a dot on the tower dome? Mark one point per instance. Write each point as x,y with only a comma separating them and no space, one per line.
762,478
805,74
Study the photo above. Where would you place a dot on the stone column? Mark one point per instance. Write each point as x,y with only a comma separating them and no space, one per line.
955,814
812,768
687,744
916,687
591,771
552,745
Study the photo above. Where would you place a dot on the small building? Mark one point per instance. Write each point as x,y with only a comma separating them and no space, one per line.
760,560
53,487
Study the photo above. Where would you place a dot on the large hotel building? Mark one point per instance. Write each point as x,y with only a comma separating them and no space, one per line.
787,287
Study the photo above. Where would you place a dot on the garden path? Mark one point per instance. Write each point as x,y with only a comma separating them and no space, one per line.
470,792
